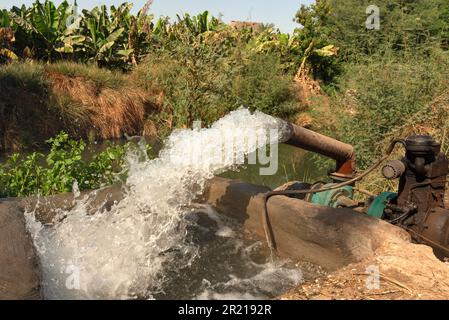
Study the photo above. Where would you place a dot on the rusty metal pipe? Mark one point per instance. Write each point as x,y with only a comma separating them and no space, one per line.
342,153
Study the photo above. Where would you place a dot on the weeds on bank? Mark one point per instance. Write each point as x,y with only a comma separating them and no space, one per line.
57,171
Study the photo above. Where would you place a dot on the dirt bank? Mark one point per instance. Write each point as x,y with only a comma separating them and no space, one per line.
406,271
19,270
38,101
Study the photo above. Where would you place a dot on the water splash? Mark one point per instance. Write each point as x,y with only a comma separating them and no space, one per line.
231,265
271,280
121,253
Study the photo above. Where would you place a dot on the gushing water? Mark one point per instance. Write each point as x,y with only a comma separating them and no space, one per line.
121,253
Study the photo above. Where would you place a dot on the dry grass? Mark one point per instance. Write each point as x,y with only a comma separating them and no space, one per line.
37,101
108,112
407,272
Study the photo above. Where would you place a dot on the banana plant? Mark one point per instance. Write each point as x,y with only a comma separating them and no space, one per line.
50,22
103,34
139,35
285,46
203,22
5,20
327,51
119,36
72,41
198,24
161,26
6,38
44,27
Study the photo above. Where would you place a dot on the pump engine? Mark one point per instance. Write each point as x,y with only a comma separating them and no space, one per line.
421,205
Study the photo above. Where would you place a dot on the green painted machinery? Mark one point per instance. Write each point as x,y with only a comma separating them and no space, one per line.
344,197
331,198
380,203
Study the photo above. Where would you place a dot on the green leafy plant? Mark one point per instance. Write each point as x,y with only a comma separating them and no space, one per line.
57,171
112,38
115,38
405,26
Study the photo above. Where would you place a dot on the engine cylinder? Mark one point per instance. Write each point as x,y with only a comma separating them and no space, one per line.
393,169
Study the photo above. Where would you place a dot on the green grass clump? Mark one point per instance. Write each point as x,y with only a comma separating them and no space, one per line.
22,75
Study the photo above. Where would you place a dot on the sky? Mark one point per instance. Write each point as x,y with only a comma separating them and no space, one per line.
279,12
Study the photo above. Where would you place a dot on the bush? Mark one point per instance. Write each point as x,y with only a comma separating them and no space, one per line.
206,79
263,86
405,25
381,95
64,164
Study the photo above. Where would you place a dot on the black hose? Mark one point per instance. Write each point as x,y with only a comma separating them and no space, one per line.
267,227
400,218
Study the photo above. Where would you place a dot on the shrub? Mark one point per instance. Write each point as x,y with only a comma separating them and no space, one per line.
206,79
381,95
59,169
263,86
405,25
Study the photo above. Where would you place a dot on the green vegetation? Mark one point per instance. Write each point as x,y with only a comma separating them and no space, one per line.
48,32
56,172
385,93
113,73
209,77
405,25
115,38
392,81
196,68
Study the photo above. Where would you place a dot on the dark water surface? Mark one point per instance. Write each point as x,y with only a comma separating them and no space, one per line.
294,164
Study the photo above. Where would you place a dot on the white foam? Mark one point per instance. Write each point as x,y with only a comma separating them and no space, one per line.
271,280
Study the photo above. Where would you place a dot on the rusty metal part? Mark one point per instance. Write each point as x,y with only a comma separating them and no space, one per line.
436,229
342,153
393,169
423,184
424,181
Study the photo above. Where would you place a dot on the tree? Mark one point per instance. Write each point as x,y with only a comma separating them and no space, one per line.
404,25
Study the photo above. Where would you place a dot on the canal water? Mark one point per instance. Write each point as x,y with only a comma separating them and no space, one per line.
294,164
